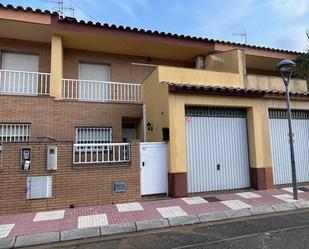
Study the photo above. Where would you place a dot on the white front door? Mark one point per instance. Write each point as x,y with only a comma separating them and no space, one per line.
153,168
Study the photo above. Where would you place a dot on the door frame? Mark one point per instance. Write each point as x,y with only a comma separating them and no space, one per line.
166,157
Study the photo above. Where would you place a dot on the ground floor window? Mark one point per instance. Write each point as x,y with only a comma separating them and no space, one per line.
14,132
93,135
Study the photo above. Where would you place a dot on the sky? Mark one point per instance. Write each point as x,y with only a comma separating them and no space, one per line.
271,23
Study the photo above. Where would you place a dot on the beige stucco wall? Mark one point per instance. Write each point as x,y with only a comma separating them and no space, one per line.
223,62
156,101
257,109
56,68
274,83
258,125
202,77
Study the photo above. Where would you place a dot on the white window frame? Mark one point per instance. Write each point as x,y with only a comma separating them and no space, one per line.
18,76
91,130
94,88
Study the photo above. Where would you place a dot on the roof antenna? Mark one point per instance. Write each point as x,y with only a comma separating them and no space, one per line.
59,7
242,34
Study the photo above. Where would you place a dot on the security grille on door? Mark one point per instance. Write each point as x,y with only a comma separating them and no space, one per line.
14,132
200,111
93,135
282,114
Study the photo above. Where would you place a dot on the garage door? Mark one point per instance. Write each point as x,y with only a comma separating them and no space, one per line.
280,146
217,149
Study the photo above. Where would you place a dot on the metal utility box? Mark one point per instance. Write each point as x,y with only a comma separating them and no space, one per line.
25,158
51,157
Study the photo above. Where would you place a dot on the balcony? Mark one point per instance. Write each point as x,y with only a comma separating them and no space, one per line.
24,83
274,83
199,76
101,91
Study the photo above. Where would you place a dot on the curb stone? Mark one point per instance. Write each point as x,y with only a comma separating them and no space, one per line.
37,239
212,217
6,243
81,233
244,212
183,220
118,228
151,224
53,237
262,210
301,204
284,207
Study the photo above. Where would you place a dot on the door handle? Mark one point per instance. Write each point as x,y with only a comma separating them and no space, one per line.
218,166
143,164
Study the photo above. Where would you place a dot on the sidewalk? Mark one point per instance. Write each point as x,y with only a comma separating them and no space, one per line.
138,212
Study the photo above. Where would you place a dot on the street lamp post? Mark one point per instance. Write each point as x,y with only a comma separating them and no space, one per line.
286,68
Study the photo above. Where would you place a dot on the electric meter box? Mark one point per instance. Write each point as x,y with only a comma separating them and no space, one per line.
51,157
25,159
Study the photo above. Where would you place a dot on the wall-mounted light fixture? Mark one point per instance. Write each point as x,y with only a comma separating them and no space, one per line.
149,126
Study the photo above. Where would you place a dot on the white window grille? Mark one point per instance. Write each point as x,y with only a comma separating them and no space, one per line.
94,145
15,132
93,135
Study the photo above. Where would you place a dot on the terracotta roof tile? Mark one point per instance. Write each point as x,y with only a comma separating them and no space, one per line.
176,87
113,26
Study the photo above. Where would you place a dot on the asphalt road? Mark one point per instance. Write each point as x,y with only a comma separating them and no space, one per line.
279,231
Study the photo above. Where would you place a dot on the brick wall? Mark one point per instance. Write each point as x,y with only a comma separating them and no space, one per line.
57,119
38,48
77,185
122,69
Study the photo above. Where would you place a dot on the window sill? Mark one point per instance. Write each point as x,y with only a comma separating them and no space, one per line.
101,165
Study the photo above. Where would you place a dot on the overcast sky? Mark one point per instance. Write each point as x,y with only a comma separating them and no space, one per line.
271,23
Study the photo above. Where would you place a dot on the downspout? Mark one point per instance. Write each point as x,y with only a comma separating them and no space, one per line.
144,123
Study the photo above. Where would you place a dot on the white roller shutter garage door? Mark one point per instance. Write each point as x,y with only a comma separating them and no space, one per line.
281,149
217,149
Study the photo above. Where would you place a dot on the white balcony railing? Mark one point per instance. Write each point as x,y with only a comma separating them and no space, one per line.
89,90
101,153
24,83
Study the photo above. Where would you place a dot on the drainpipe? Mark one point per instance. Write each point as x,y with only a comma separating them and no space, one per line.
144,123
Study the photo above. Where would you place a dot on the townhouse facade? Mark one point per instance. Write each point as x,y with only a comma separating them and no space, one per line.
76,98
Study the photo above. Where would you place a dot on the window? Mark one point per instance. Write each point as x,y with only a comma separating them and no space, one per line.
93,135
39,187
19,82
14,132
93,81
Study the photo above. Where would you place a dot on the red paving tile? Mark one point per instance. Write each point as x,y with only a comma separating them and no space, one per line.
24,222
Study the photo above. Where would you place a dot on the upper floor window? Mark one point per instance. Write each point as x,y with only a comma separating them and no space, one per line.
93,84
19,73
95,72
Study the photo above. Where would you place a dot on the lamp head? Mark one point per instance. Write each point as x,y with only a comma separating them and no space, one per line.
286,66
